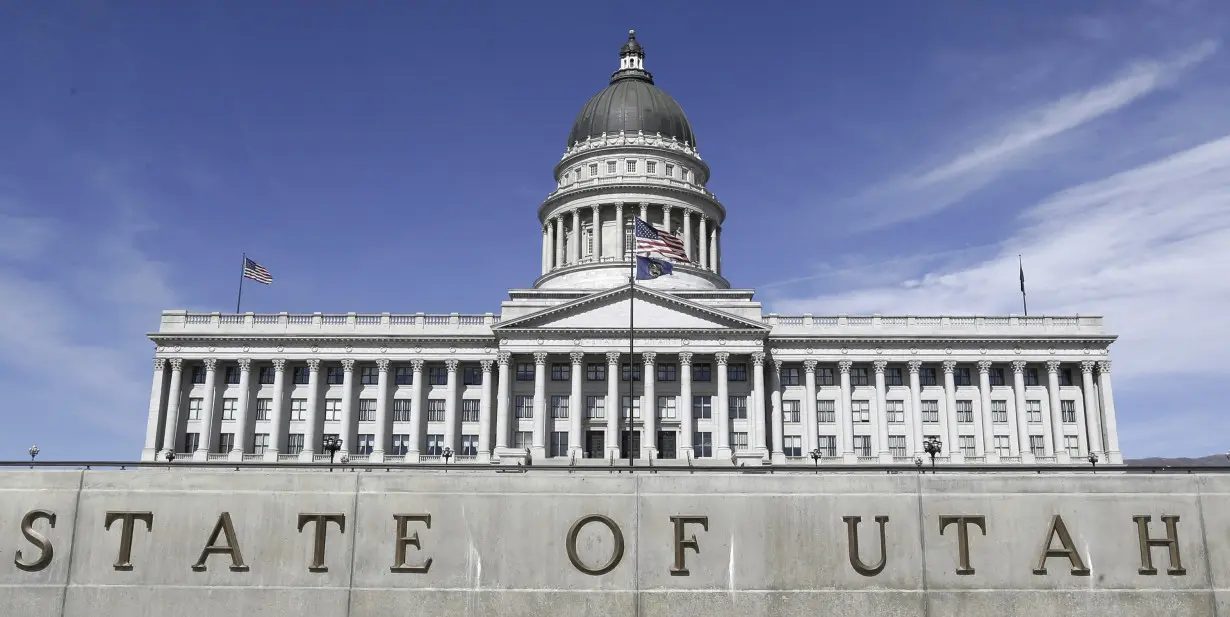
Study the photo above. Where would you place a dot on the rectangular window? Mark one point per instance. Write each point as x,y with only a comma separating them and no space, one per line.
264,408
999,412
965,412
435,445
522,440
651,167
300,375
294,443
403,376
265,375
1031,377
559,407
367,410
1065,377
559,444
369,375
858,376
1072,444
683,171
666,408
896,445
401,444
437,375
702,444
967,445
702,407
738,407
961,376
260,443
1068,408
931,411
525,371
997,376
595,407
469,410
595,371
525,407
401,410
792,445
862,445
198,374
825,377
1033,411
927,377
630,166
894,411
827,445
634,402
334,376
1002,445
790,376
367,443
737,372
232,375
469,445
826,411
194,408
561,372
1037,445
670,170
226,443
191,441
610,167
625,370
738,441
790,411
668,371
228,408
593,170
333,409
298,409
472,376
892,377
435,410
860,411
702,371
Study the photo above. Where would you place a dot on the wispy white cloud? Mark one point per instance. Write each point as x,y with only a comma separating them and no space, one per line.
935,188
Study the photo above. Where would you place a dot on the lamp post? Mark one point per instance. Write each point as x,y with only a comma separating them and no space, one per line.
447,454
932,447
170,456
33,453
1093,460
815,457
332,445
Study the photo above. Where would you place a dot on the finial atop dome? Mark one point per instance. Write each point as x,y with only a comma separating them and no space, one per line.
632,55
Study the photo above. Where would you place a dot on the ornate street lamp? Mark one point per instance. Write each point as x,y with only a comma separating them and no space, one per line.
815,457
1093,460
447,454
170,456
33,453
932,447
332,445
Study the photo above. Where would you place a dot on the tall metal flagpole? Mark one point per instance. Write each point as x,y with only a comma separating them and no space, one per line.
631,365
242,267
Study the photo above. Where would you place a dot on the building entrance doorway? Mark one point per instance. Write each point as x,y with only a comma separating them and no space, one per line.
595,444
666,444
635,448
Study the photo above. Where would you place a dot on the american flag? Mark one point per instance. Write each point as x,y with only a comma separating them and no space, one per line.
256,272
653,240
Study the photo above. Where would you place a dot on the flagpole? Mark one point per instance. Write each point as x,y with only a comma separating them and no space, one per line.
631,366
1024,304
242,263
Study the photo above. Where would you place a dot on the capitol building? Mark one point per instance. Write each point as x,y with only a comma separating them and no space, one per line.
547,379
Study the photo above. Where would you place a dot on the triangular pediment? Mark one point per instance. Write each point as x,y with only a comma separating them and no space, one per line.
612,309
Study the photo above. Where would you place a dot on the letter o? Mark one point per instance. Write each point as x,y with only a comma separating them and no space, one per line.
616,556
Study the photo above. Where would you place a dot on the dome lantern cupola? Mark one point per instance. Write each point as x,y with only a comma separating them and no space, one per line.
632,55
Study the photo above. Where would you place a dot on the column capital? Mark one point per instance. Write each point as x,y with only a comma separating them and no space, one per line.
503,358
486,365
879,366
619,206
704,218
577,357
685,358
984,366
649,358
313,365
810,365
914,366
1086,366
1018,366
844,366
949,366
1104,367
177,364
451,365
212,363
245,364
348,365
687,213
279,364
416,365
161,363
612,358
721,358
758,358
777,366
382,365
540,358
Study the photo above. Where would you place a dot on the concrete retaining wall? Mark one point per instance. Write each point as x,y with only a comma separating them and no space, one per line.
499,544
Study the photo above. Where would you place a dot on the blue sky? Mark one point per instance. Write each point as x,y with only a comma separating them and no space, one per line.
888,157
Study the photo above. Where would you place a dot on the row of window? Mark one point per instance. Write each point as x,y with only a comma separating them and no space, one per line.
631,166
792,445
927,376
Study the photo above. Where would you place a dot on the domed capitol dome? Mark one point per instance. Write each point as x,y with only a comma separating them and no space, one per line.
631,103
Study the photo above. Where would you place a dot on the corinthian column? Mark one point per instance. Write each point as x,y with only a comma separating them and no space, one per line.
649,409
597,227
484,414
170,432
243,414
845,434
987,430
417,420
349,427
504,411
560,241
538,446
614,410
703,242
277,415
950,411
914,419
687,234
685,406
881,415
1113,455
575,406
154,421
619,242
1091,408
383,423
721,411
811,424
778,452
208,417
312,434
574,256
755,438
450,406
1022,417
